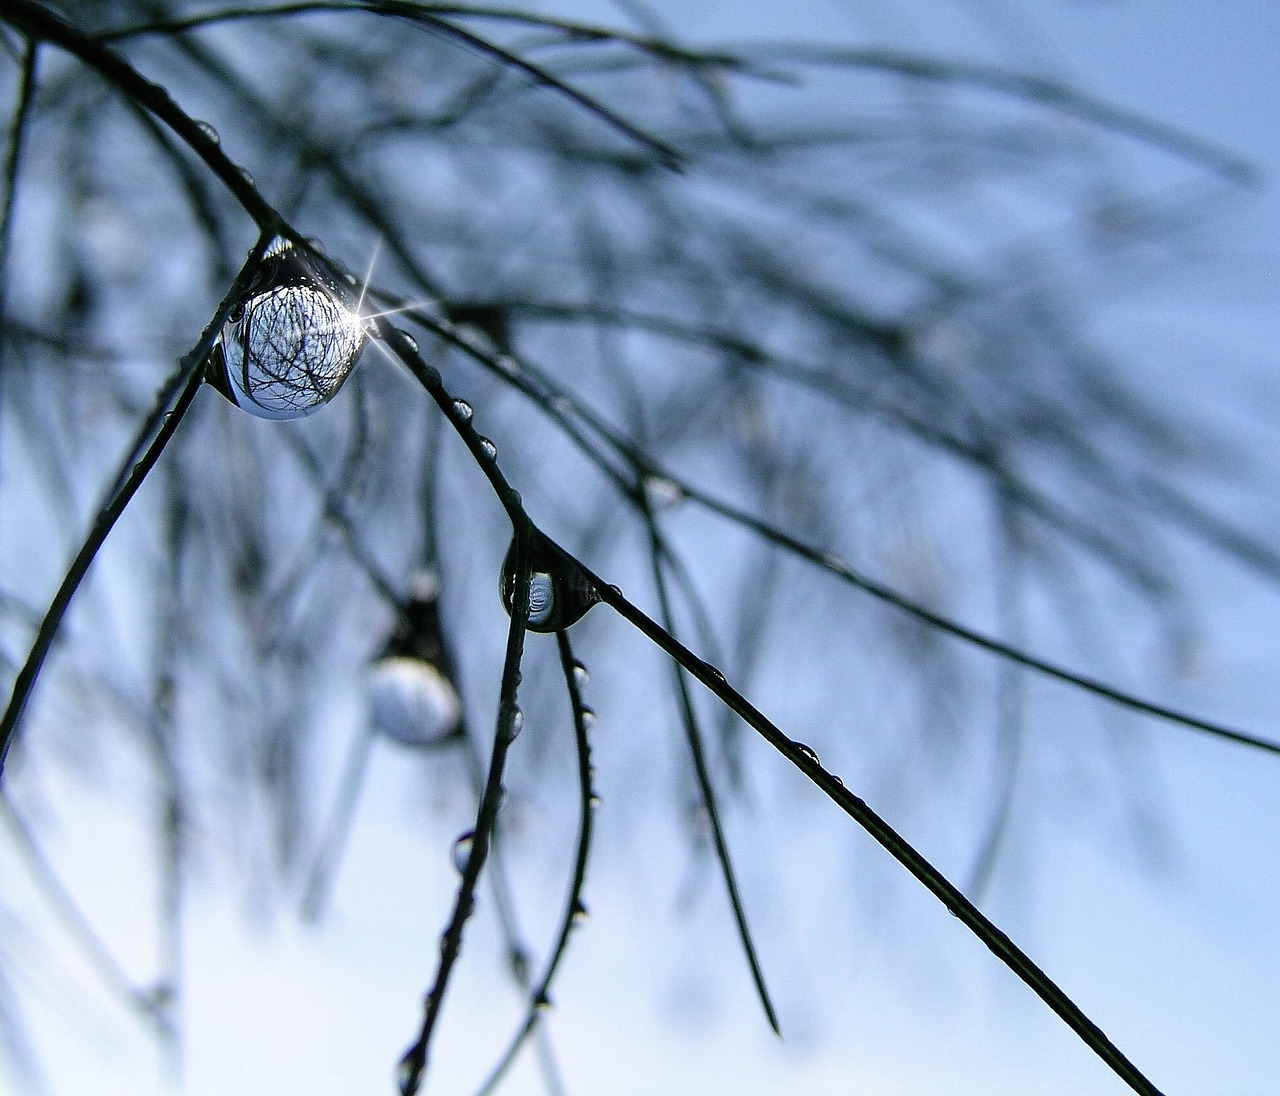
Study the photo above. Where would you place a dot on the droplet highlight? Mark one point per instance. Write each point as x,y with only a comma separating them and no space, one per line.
462,411
208,130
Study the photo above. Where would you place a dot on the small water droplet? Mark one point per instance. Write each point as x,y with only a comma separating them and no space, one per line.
561,406
662,492
290,342
543,1003
559,593
516,725
580,913
413,343
488,448
834,562
462,411
594,801
208,130
808,751
408,1073
508,364
350,279
580,676
588,718
246,175
462,850
518,959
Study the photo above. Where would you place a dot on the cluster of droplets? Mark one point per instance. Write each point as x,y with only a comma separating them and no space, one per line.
559,592
291,341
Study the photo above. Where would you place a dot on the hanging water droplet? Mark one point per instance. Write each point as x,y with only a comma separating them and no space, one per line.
408,1073
488,448
808,751
559,593
543,1003
208,130
462,411
580,676
462,850
588,718
663,493
291,341
411,702
413,343
580,913
594,801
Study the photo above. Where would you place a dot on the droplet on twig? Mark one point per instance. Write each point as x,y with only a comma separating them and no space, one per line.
559,592
462,850
290,342
412,696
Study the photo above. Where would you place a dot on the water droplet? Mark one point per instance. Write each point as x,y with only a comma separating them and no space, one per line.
208,131
488,448
518,958
594,801
580,913
833,562
462,850
588,718
411,702
408,1073
559,593
246,175
561,407
413,343
462,410
808,751
663,493
291,341
350,279
516,725
508,364
543,1003
580,676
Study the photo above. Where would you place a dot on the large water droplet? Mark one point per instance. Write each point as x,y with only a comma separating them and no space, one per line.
559,593
208,131
290,342
411,702
462,850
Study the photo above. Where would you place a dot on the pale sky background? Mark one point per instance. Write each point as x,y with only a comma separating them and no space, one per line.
1179,963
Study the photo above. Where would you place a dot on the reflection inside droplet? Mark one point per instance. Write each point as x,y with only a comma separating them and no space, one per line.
559,592
291,342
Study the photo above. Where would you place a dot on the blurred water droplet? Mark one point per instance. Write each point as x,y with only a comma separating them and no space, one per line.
246,175
561,407
595,800
580,913
834,562
543,1003
411,702
408,1073
488,448
508,364
559,593
588,718
580,676
663,493
519,962
290,342
208,131
462,850
462,410
413,343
